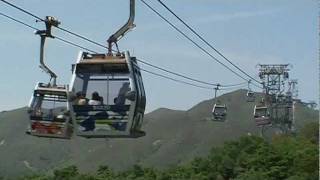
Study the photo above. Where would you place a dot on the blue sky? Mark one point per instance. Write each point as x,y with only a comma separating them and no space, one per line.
247,31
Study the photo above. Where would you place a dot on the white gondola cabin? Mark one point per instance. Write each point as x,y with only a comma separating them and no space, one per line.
48,107
49,112
219,112
108,98
262,116
250,96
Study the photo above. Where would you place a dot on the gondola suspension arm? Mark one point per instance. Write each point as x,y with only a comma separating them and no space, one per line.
215,91
49,21
114,38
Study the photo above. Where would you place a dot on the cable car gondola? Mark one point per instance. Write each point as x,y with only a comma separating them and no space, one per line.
219,111
250,94
108,98
48,107
49,112
262,115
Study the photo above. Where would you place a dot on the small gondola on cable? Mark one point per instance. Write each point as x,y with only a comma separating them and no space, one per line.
250,94
48,107
261,114
219,110
107,94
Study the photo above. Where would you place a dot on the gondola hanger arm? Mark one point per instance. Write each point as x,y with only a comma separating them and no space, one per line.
114,38
49,21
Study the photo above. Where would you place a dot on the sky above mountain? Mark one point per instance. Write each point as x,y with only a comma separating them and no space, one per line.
248,32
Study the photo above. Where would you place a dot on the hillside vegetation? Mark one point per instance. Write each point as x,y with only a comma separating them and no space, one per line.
173,138
249,158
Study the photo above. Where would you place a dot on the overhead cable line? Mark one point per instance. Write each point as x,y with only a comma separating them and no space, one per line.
76,45
34,28
63,29
146,63
82,37
177,74
206,42
233,88
91,41
192,41
18,21
233,85
186,77
23,10
56,37
257,86
183,82
176,80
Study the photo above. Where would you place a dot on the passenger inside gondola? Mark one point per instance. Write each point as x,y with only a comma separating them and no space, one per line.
120,100
81,99
102,101
89,123
95,100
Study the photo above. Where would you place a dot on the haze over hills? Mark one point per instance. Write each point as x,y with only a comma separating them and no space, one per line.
173,137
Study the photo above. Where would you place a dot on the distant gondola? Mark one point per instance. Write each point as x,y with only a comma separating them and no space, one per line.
48,107
219,112
49,112
262,115
250,94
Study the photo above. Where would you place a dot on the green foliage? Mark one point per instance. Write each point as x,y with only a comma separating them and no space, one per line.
253,175
85,177
249,158
104,172
67,173
36,177
311,131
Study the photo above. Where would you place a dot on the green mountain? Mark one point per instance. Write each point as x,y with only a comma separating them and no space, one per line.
173,137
